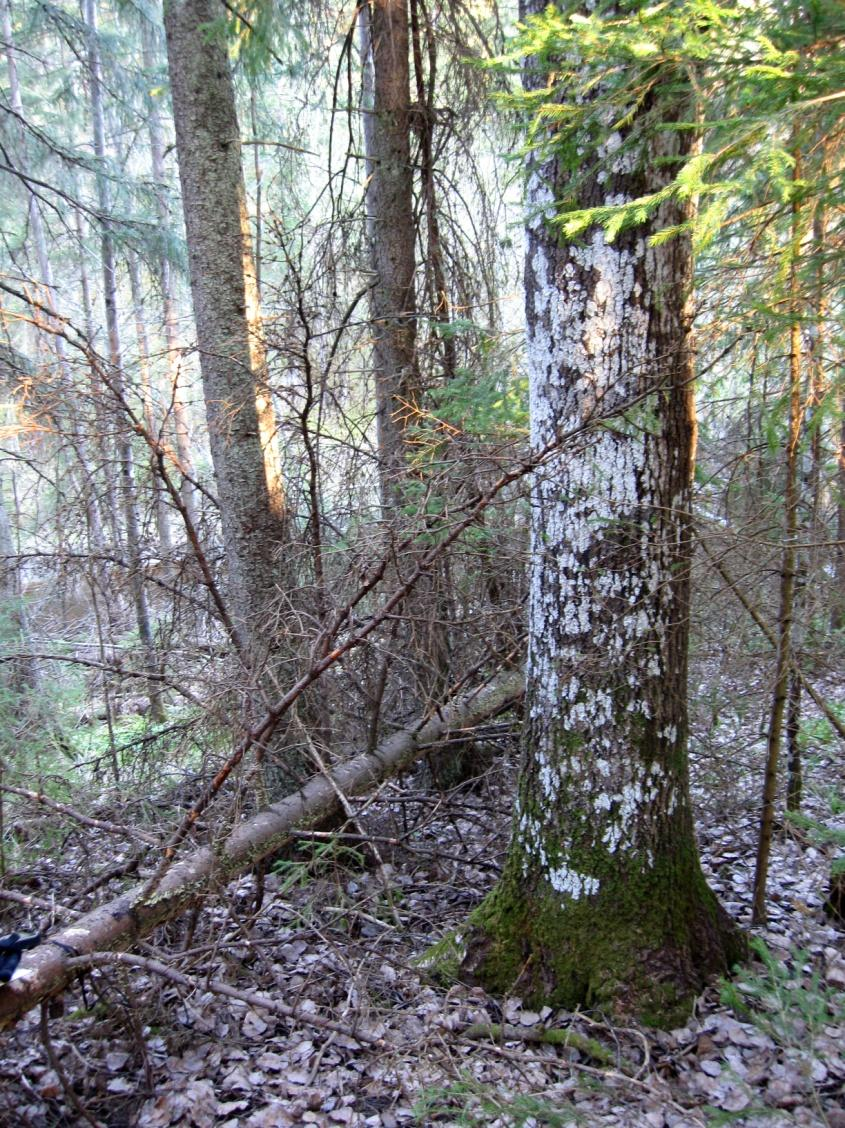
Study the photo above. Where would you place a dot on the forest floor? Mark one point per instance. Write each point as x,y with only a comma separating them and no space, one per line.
335,939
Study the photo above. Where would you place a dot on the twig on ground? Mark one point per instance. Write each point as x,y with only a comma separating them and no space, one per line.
56,1066
251,998
77,816
549,1036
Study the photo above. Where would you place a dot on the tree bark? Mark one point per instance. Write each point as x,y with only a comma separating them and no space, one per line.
171,336
392,233
127,918
788,570
603,901
238,405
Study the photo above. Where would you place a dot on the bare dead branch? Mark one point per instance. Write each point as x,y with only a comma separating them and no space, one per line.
122,922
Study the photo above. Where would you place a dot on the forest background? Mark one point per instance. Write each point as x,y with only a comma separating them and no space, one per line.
203,604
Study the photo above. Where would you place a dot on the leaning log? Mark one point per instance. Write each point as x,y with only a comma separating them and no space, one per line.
118,924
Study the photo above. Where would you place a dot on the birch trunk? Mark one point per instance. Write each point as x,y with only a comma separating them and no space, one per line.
603,901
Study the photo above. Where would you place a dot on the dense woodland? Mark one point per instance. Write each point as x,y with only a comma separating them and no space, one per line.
422,563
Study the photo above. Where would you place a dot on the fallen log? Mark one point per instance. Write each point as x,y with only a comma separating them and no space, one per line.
119,923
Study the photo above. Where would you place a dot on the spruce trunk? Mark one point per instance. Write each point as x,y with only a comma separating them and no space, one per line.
237,403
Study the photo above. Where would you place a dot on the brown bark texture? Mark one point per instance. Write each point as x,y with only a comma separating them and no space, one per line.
392,234
237,401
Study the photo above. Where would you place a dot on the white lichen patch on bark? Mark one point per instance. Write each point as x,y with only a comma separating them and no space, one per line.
571,884
601,600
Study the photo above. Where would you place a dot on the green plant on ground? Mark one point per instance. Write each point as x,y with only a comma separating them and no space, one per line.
819,833
472,1103
818,730
823,835
788,1007
324,858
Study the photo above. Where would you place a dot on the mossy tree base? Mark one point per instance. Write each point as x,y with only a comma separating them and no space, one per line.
637,951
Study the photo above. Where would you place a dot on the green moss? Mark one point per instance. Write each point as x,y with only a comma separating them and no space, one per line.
641,947
549,1036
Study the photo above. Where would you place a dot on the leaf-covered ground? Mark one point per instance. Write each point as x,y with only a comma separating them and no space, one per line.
335,940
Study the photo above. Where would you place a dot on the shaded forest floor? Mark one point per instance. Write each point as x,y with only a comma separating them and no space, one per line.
335,938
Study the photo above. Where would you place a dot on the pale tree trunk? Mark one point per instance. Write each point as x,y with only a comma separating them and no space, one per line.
148,399
239,409
257,176
171,335
21,675
603,901
788,571
838,614
102,431
391,229
56,342
125,455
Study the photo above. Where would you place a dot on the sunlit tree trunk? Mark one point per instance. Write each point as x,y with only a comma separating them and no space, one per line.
48,295
603,901
239,409
125,454
166,283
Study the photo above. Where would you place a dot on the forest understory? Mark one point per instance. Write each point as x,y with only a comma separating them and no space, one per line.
151,1041
366,369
